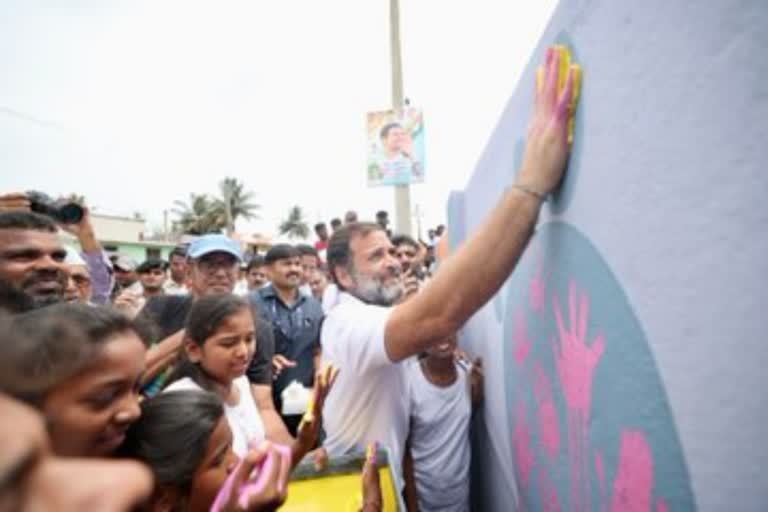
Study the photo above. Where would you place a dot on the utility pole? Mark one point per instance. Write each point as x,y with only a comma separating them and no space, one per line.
402,192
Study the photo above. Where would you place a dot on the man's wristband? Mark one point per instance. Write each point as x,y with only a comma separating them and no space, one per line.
538,195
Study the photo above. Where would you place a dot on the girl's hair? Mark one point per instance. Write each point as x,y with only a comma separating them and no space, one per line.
204,319
172,434
42,348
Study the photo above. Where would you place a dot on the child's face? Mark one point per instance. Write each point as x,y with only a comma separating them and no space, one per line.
218,462
444,350
226,355
89,412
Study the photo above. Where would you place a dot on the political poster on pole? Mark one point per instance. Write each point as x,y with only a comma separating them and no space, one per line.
395,147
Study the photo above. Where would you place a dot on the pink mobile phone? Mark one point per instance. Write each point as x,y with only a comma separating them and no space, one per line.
256,481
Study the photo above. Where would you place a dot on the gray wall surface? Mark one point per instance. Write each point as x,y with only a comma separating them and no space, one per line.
626,356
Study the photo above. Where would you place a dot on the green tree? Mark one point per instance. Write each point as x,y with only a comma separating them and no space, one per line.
295,226
198,216
235,202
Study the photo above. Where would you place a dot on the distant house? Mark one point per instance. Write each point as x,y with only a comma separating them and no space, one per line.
125,236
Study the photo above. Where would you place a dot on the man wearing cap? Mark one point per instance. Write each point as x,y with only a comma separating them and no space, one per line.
79,286
213,267
152,275
126,278
295,319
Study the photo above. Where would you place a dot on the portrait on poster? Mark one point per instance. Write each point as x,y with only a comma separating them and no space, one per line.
395,147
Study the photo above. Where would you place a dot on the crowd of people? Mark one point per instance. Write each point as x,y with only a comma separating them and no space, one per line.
201,382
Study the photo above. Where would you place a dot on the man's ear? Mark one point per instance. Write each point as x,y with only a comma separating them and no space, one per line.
343,277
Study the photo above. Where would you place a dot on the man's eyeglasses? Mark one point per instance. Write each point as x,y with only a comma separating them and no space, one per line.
211,265
80,279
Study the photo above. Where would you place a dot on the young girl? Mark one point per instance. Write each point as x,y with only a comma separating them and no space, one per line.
185,439
219,343
80,366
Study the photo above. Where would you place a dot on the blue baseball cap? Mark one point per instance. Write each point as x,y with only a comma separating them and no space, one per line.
207,244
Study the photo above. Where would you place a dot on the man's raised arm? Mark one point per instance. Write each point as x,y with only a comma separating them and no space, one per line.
471,276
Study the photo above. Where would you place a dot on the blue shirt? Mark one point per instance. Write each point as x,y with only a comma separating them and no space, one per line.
297,333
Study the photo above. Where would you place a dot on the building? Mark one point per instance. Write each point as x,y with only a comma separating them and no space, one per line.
125,236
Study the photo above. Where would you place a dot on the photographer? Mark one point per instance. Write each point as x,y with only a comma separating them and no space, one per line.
73,219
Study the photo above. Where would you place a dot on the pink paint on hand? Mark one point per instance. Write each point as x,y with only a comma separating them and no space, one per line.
634,476
548,423
661,505
256,482
521,343
521,446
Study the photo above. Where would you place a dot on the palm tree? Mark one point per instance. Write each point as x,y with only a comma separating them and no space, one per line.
234,203
199,216
295,226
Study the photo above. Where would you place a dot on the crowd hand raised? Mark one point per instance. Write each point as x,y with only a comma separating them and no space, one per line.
372,496
547,147
13,202
410,285
280,363
309,428
128,302
274,490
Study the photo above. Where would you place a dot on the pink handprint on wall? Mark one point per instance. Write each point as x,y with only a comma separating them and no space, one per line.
520,342
548,493
576,361
521,445
548,425
634,476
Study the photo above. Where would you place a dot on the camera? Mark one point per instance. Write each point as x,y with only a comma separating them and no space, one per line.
61,211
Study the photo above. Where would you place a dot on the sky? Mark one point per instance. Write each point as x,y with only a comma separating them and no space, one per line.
135,104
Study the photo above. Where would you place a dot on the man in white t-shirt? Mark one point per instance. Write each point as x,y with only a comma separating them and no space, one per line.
368,339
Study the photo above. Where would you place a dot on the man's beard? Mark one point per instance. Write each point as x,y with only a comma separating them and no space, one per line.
53,296
13,300
372,290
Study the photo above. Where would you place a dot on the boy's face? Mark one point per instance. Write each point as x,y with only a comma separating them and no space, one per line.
444,349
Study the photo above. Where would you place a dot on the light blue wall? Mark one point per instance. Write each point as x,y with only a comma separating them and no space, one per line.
626,356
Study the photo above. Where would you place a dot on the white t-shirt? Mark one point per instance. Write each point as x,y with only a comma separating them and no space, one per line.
440,441
243,418
369,400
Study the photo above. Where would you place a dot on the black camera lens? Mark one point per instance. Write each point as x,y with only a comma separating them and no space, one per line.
69,213
63,213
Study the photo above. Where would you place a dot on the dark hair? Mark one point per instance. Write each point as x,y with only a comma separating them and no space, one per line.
256,262
319,226
336,222
306,250
27,220
386,129
339,252
204,318
42,348
151,264
281,252
172,434
404,239
382,214
179,250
